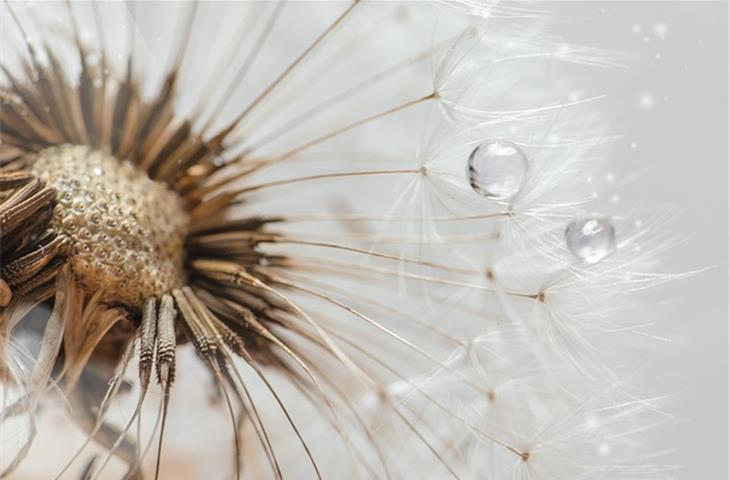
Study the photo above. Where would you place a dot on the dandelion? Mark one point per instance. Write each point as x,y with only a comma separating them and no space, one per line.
373,234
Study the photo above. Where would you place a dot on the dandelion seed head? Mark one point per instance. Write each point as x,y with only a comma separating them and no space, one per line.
297,212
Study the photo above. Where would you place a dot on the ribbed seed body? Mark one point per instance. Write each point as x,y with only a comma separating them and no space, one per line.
126,231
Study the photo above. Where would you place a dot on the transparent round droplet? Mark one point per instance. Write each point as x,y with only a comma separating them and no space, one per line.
590,237
497,168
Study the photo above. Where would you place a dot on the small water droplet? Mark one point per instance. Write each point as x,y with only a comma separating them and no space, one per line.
496,169
590,237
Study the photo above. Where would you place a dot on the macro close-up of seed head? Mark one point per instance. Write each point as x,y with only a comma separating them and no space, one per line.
331,239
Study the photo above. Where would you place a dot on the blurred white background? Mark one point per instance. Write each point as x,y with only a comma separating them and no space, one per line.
672,104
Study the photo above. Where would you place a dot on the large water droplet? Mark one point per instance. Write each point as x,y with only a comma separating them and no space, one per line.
590,237
496,169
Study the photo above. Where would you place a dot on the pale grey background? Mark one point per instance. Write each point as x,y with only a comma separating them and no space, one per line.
672,103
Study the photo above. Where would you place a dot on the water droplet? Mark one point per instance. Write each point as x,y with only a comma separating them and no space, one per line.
590,237
496,169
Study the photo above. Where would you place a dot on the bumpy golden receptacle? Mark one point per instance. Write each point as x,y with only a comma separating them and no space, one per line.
126,231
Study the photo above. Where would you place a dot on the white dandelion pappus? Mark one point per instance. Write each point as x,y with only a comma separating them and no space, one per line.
350,304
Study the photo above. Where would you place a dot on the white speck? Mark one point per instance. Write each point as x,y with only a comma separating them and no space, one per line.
593,422
636,28
646,100
574,96
685,66
615,198
589,179
594,195
634,145
660,30
658,56
604,449
638,224
610,177
646,39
